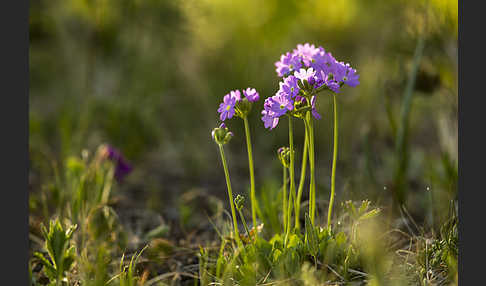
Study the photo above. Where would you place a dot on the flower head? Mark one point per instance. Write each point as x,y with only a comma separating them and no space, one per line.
289,86
328,71
288,63
233,103
269,119
227,108
251,94
305,74
280,103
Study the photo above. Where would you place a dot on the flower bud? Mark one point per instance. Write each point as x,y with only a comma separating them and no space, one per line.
221,134
284,156
239,201
243,107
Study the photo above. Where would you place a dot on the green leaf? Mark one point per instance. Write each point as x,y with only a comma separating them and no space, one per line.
311,236
370,214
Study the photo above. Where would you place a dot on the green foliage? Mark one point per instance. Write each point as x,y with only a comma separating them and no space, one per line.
437,257
334,257
61,252
127,275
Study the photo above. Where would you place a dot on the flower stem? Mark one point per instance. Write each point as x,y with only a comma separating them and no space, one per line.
244,223
292,176
230,195
312,188
302,180
334,159
284,199
252,174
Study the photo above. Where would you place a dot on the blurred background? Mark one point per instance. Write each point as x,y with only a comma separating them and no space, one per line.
147,77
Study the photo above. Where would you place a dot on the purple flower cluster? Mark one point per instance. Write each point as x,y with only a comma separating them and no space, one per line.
305,69
318,67
231,100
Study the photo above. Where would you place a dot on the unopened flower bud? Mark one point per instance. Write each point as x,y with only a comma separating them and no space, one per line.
239,201
243,107
221,134
284,156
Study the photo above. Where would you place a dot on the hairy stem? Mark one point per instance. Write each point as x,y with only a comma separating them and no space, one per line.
252,174
230,195
334,159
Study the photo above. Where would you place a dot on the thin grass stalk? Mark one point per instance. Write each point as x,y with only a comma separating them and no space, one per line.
402,132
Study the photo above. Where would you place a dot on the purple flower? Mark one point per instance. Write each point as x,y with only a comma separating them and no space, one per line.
279,104
351,77
305,74
306,52
339,71
122,167
251,94
289,86
288,63
236,94
227,108
269,119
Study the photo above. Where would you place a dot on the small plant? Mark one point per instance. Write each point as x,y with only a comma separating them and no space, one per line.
305,73
128,275
60,251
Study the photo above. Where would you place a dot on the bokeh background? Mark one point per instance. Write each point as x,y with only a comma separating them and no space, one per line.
147,76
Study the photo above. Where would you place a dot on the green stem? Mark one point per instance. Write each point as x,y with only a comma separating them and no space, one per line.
312,188
230,195
334,159
292,176
302,180
252,173
244,223
284,199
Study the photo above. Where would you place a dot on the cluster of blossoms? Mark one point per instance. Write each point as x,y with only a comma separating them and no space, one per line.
305,72
234,103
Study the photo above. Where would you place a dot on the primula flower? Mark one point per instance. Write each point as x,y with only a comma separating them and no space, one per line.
305,74
236,94
306,52
233,103
227,108
288,62
280,104
351,77
328,71
289,86
269,119
251,94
